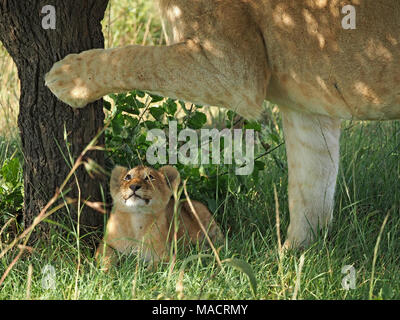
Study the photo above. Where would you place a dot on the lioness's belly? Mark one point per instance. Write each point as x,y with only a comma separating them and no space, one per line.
319,66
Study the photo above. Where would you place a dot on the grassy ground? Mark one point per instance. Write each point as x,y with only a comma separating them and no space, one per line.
368,191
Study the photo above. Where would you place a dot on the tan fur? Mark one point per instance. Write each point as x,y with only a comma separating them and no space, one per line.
142,220
236,53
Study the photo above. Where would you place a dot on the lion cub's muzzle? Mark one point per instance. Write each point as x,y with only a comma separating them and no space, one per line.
135,188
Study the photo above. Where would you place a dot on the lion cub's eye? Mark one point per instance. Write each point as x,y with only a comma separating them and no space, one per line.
149,177
128,177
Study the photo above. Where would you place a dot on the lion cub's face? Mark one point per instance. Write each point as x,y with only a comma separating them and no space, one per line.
143,189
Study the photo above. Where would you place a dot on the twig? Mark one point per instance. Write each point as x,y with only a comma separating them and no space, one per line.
378,240
278,224
278,234
29,282
5,228
257,158
21,251
298,280
134,282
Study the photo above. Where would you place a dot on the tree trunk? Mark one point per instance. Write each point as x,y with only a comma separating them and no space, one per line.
42,118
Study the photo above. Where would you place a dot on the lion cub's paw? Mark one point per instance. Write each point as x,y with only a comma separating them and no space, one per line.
74,80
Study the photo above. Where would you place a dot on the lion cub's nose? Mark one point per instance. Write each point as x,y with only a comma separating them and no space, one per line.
135,187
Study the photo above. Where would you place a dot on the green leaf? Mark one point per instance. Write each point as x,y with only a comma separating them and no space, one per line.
260,165
170,107
135,103
386,292
132,101
244,267
253,126
133,122
231,115
150,124
140,94
157,113
10,170
129,109
107,105
255,175
117,124
194,257
275,138
155,98
197,120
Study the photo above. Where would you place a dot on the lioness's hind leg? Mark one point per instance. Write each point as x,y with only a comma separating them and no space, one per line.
312,144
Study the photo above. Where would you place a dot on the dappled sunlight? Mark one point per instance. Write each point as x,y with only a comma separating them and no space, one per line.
282,18
322,84
366,92
376,50
321,66
176,12
312,28
207,45
391,39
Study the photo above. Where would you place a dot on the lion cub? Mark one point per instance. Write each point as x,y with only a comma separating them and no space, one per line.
142,220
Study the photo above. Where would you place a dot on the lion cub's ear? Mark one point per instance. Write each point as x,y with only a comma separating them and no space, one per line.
116,176
172,176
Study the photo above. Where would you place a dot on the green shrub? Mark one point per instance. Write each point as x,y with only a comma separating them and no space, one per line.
135,113
11,183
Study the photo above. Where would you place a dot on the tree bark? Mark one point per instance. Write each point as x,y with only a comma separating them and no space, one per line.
42,118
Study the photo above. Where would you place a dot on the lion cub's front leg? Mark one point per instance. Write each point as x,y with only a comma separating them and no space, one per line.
105,256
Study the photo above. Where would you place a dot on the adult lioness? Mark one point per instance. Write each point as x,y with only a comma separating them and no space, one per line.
236,53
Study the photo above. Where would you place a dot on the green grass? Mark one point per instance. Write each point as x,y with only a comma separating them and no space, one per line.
368,189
